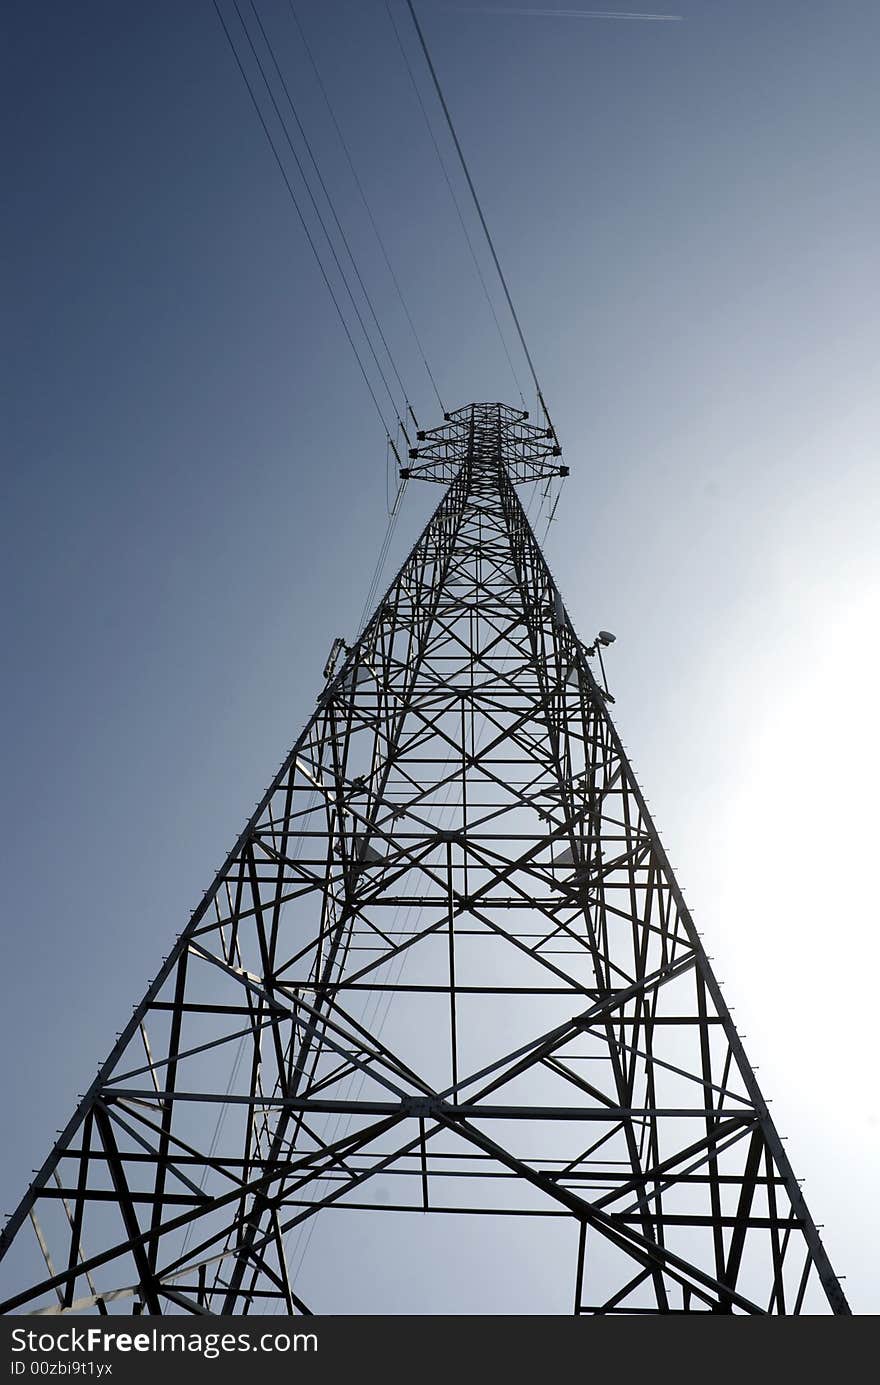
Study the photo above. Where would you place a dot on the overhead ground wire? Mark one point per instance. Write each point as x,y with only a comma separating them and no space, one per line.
477,204
455,201
363,196
305,226
313,200
331,205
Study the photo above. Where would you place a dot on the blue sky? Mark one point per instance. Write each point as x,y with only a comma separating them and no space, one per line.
195,478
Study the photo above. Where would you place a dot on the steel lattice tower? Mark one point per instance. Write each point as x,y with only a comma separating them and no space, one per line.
447,953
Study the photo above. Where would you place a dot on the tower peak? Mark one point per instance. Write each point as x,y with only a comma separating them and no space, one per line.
483,435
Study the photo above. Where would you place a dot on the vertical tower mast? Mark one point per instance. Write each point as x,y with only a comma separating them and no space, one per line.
447,956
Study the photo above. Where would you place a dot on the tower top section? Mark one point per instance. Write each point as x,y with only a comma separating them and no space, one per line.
486,436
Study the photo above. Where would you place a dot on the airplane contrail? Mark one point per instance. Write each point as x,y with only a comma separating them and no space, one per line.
567,14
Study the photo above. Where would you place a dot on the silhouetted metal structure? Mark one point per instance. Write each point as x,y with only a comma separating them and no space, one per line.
447,955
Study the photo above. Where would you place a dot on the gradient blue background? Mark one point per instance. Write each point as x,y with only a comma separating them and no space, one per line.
195,478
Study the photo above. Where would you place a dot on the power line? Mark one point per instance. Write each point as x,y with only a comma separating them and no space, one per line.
367,207
303,222
479,208
395,510
311,195
455,201
330,203
373,588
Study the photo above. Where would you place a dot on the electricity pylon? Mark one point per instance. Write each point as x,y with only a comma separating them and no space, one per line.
447,955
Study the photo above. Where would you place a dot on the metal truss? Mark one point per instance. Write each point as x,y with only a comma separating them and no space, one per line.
447,953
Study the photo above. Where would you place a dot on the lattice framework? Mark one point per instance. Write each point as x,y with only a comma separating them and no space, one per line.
448,951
